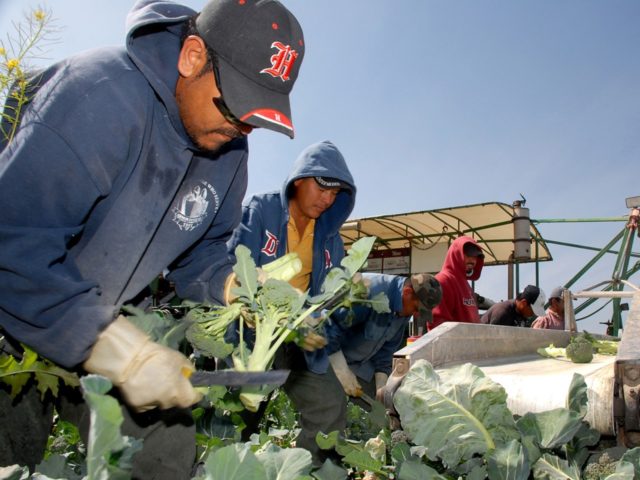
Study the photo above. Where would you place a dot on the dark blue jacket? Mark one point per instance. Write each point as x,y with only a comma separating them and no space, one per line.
102,190
265,216
370,340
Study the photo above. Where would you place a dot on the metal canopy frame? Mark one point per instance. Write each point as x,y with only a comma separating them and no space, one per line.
490,224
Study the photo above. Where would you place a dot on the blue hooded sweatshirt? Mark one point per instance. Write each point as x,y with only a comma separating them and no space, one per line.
370,339
102,190
265,217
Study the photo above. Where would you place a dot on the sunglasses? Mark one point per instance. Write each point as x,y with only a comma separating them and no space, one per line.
226,113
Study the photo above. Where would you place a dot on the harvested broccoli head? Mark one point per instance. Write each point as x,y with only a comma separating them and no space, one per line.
579,352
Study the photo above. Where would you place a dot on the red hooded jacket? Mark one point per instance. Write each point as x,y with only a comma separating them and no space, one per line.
458,302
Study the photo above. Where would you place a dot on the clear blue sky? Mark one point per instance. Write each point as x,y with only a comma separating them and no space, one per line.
438,103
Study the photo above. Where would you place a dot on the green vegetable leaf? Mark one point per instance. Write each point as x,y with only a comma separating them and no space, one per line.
630,457
577,398
284,464
47,375
357,255
246,273
327,441
362,461
413,469
455,417
551,428
550,467
330,471
508,462
233,462
109,453
379,303
552,352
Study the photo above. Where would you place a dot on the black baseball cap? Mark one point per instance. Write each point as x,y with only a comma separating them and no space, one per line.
330,182
259,48
535,297
472,250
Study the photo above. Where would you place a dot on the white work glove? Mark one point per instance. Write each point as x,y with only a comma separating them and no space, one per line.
148,374
347,378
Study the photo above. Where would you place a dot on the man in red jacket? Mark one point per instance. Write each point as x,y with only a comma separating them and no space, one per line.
464,262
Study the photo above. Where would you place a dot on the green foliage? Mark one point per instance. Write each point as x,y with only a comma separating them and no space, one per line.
16,373
109,454
459,418
270,462
272,311
159,324
581,348
552,351
456,416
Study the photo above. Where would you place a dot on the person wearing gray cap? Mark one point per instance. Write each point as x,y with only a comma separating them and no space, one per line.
554,315
362,344
129,162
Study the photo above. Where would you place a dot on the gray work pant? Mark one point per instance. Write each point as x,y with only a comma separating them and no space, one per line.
168,436
319,398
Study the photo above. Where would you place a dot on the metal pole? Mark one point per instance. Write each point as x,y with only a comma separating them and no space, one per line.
592,262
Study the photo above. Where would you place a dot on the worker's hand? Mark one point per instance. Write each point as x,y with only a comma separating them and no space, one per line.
148,374
381,379
347,378
313,341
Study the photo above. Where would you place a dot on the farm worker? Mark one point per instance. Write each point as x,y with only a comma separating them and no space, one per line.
527,305
305,216
463,263
554,315
361,349
129,161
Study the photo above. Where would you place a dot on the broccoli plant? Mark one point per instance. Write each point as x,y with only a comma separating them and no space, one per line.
580,351
268,313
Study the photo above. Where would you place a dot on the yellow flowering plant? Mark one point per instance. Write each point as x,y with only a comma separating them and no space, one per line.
16,52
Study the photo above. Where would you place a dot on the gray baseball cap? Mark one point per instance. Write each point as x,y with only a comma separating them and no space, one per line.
259,47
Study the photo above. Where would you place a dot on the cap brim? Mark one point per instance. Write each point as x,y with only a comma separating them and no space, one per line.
538,308
254,104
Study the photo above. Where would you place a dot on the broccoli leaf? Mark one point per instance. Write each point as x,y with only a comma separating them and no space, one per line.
551,467
456,416
234,462
284,464
356,258
246,273
508,462
16,373
109,453
551,428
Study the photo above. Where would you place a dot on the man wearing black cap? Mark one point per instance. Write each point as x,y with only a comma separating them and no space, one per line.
361,346
305,217
128,162
520,312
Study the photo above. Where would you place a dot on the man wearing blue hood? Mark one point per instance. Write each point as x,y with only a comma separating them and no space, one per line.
305,217
128,162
